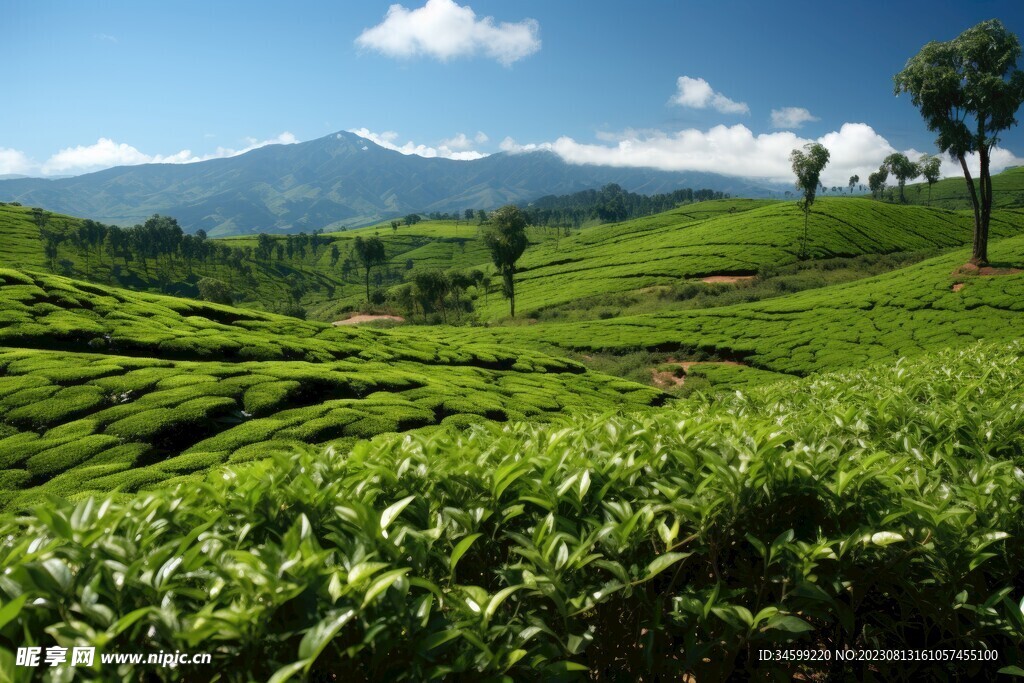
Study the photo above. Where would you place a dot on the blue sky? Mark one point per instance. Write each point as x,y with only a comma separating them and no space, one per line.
668,84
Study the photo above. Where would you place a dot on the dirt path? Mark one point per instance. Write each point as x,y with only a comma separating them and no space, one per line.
726,279
363,318
668,379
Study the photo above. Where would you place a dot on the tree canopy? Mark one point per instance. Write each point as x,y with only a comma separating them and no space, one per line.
968,91
903,169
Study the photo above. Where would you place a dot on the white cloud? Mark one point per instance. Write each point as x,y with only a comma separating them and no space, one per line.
106,153
453,148
14,161
698,94
105,38
462,141
511,146
791,117
734,150
444,30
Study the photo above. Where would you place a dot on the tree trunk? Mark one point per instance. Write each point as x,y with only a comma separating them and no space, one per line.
367,268
979,250
510,289
986,201
803,244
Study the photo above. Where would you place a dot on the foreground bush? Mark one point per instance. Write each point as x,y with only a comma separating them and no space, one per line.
874,509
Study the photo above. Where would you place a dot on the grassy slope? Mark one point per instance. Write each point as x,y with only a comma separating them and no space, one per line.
436,244
664,248
952,193
430,245
728,236
102,388
899,313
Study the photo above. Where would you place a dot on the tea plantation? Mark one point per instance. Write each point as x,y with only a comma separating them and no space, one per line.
952,193
104,389
665,248
873,509
903,312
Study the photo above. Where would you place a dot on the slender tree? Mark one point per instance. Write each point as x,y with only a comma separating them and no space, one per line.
371,252
968,91
808,164
854,179
506,240
930,165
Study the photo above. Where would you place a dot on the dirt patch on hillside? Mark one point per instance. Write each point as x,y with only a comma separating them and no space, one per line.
958,286
669,379
985,271
357,319
726,279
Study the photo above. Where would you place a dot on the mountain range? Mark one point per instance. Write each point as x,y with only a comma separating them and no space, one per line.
341,180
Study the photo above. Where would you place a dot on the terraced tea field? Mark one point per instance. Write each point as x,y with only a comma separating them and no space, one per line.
952,193
676,245
871,509
104,389
904,312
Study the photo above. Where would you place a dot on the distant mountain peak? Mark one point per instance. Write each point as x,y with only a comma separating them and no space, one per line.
338,180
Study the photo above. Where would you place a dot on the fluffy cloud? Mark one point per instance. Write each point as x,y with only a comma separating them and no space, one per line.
14,161
791,117
735,150
698,94
106,153
462,141
453,148
444,30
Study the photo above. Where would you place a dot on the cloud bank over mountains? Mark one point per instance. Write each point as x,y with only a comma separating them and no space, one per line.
106,153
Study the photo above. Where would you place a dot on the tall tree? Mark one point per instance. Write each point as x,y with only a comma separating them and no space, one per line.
903,169
876,182
930,165
371,252
506,240
968,90
854,179
808,164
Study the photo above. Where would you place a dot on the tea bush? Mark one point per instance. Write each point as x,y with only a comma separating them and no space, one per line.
878,508
140,401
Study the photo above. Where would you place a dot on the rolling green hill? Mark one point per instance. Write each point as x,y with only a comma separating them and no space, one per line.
690,242
707,238
104,389
952,193
903,312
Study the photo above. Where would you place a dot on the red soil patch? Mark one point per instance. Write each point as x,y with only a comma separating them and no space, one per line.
356,319
666,379
985,271
687,364
727,279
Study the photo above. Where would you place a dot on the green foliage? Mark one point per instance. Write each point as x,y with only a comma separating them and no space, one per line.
968,90
175,377
879,508
211,289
